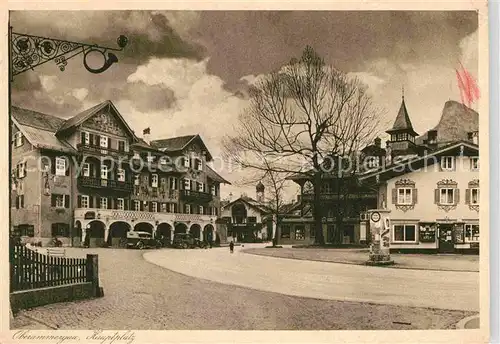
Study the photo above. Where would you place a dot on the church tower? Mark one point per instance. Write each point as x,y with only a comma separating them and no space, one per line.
402,142
260,192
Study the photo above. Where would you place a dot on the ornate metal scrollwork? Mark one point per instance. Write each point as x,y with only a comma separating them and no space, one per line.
29,51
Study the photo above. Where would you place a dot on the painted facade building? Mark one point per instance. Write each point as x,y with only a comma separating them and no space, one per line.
89,179
248,219
430,184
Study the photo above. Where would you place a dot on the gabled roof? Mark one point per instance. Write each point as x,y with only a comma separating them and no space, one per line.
75,121
36,119
215,176
179,143
39,129
261,207
413,164
402,122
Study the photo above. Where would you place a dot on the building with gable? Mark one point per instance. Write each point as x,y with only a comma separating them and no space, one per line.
248,219
89,179
430,184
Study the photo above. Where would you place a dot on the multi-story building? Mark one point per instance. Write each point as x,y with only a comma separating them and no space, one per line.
249,219
430,184
439,195
89,179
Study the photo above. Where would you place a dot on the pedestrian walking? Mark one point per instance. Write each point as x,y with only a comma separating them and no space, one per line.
231,247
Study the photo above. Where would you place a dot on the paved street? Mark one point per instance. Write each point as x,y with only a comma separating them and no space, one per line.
417,288
141,295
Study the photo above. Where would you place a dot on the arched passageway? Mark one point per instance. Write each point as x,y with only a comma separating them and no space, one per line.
144,227
208,233
164,232
95,234
117,233
195,231
180,228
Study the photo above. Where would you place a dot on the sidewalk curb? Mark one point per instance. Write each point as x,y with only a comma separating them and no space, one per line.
395,266
461,324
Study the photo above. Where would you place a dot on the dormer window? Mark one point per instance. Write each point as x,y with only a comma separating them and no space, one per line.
18,139
372,162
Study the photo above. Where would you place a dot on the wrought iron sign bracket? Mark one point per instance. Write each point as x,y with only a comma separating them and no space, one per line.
29,51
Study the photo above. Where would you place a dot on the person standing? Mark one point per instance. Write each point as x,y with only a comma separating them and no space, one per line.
231,247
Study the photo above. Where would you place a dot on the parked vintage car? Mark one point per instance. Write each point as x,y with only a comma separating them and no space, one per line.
140,240
186,240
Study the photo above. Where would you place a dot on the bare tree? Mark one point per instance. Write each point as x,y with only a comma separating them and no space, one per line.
298,118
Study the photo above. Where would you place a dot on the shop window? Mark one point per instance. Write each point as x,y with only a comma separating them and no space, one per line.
471,233
285,231
404,233
300,232
60,230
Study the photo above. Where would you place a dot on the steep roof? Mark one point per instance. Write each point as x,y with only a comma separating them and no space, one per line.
40,129
415,163
174,143
402,122
179,143
260,206
456,121
86,114
36,119
215,176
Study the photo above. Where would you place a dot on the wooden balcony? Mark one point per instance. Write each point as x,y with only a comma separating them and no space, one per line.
98,150
191,195
89,182
335,197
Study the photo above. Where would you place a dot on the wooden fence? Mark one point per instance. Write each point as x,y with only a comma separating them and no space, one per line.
32,270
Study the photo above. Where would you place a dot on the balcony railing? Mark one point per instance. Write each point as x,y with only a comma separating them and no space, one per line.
334,196
90,182
191,195
93,149
135,216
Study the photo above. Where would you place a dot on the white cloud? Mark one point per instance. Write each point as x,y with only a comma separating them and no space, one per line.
80,93
470,51
49,82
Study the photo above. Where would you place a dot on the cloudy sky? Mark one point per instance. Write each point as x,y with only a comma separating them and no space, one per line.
187,72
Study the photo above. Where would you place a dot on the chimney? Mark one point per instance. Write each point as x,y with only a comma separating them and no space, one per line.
146,135
378,142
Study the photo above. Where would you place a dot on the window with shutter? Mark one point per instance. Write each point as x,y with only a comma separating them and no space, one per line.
154,180
103,140
437,196
53,200
394,196
91,201
104,203
66,201
474,196
120,204
414,195
21,202
79,201
60,166
137,205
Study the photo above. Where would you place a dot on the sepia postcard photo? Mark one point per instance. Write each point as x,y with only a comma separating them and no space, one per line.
245,172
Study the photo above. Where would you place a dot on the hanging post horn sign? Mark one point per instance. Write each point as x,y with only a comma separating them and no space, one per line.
28,52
